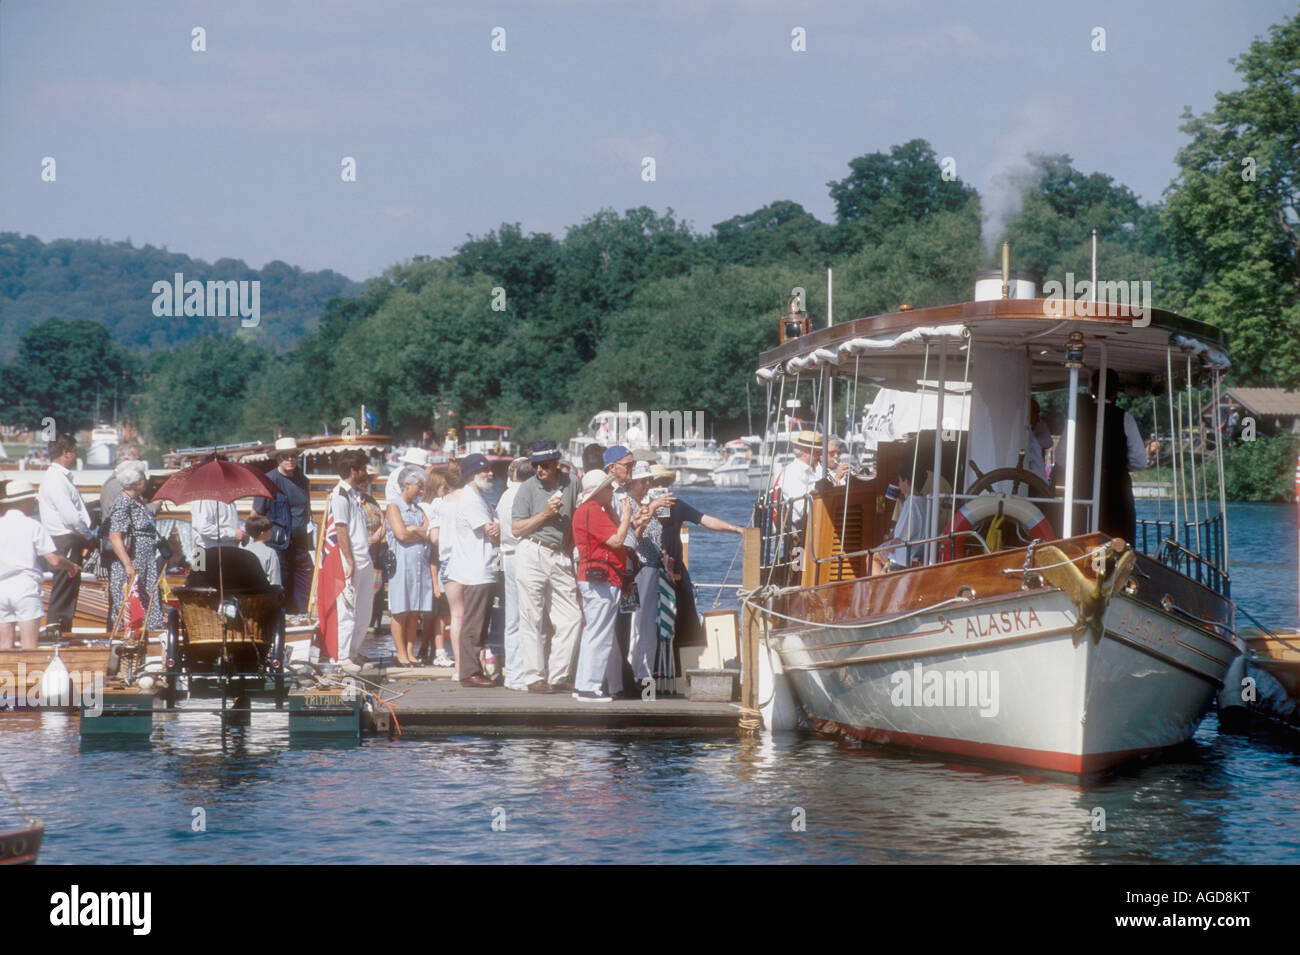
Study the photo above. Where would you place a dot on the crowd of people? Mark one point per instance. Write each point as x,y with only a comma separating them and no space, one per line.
569,573
575,577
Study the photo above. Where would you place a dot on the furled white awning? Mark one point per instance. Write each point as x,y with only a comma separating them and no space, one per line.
838,355
1210,355
913,336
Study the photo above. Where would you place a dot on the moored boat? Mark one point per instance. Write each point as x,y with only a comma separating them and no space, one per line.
733,472
1265,682
1015,631
19,845
493,442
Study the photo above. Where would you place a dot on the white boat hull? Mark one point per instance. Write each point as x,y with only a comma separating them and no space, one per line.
1011,683
731,477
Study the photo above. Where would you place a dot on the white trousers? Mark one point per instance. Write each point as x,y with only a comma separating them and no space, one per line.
547,590
355,621
643,644
597,658
514,667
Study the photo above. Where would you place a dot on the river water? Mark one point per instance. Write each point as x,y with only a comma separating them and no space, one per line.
794,798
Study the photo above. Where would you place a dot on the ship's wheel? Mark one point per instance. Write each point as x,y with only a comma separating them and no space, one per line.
1038,487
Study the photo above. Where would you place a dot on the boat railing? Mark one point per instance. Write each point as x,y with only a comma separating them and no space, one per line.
1199,556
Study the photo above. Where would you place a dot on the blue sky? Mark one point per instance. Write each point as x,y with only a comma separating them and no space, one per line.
236,151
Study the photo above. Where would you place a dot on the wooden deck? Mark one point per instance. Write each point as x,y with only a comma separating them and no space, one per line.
444,706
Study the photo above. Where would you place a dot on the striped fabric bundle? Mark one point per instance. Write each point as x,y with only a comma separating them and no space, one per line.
665,670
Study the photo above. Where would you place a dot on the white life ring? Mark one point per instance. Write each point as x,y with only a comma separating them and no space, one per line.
982,508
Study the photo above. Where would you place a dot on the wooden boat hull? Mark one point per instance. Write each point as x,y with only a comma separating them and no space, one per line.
1003,676
21,846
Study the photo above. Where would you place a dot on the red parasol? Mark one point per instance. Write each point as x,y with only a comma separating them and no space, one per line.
215,479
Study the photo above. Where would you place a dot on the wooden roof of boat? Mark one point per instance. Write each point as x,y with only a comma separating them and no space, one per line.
890,347
252,452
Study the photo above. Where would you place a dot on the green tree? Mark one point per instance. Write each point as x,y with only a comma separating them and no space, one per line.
1053,233
884,189
781,231
1232,213
920,263
524,266
196,395
65,368
603,261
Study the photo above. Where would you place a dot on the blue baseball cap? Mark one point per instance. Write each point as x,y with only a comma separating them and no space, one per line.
615,454
473,463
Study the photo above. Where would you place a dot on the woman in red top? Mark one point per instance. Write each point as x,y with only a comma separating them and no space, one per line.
600,565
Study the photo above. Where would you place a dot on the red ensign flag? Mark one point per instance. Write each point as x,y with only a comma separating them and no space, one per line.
328,587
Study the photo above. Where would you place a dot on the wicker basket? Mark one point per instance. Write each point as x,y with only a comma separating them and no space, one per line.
247,636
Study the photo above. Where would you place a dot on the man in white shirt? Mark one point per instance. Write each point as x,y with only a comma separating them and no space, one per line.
357,600
66,520
215,523
23,541
474,564
520,471
798,477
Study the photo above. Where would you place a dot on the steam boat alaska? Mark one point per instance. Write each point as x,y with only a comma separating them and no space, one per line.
1021,628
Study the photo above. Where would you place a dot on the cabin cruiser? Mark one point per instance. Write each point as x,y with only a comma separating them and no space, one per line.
493,442
608,428
734,471
1012,630
694,459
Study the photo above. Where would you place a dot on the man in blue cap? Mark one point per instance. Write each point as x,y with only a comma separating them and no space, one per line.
542,521
618,462
474,564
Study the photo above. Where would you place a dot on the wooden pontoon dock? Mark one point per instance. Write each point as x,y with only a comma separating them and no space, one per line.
444,706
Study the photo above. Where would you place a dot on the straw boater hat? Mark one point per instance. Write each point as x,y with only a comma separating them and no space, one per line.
660,476
593,482
18,491
808,441
284,448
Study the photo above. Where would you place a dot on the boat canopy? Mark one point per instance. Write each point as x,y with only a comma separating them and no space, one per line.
1003,350
894,346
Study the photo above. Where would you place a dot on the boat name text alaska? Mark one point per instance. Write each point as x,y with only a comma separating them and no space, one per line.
1017,620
